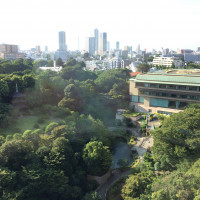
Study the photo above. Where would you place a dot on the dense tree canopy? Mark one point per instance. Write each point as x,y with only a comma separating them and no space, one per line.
97,158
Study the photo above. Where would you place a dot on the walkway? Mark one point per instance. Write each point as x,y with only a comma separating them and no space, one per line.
141,146
103,190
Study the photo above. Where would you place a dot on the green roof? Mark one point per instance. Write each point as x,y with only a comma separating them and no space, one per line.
168,79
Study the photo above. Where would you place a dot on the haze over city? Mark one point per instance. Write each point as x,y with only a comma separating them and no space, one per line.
153,24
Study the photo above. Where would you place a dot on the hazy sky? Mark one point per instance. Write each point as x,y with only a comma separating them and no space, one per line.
152,23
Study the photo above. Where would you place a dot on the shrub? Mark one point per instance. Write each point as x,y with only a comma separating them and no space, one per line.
92,185
123,162
36,126
50,127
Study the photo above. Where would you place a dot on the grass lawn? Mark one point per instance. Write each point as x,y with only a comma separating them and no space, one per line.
27,123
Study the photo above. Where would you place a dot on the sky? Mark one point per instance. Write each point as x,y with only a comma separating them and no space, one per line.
154,24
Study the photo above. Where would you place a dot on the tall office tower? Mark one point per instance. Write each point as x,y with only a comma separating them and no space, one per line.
46,48
62,42
165,51
104,42
96,36
117,45
108,46
138,49
90,45
38,49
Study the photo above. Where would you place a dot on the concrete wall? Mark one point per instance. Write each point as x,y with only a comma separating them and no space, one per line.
132,89
142,108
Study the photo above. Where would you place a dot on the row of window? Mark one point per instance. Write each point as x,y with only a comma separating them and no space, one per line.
164,103
172,87
171,95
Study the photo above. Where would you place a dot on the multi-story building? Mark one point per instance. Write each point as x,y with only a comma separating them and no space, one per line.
184,51
8,48
90,45
117,46
167,61
112,63
38,49
102,43
62,41
10,52
165,93
125,63
96,36
192,57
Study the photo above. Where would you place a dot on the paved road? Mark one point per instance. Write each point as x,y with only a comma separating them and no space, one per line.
140,149
103,190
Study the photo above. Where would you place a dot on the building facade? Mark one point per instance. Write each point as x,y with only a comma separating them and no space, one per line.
102,43
164,93
117,46
62,41
96,36
90,45
167,61
10,52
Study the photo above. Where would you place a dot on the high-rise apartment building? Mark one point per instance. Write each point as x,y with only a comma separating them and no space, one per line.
8,48
117,45
10,52
138,49
38,49
96,36
62,41
102,43
46,48
108,46
90,45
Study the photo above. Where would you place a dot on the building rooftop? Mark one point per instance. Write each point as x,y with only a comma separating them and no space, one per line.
180,77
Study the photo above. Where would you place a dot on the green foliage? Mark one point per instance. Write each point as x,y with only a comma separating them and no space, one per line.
123,162
92,196
97,158
178,138
136,185
59,62
4,89
111,79
50,127
144,67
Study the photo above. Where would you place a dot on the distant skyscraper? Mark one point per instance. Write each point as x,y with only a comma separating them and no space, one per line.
108,46
117,45
38,49
46,48
96,36
138,49
62,41
104,42
90,45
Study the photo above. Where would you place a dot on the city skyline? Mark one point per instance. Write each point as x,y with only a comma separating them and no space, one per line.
152,24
